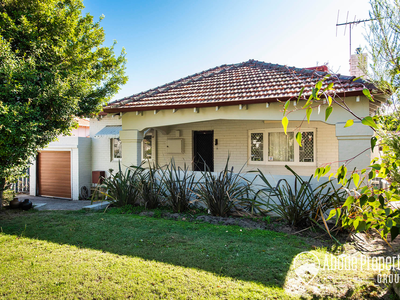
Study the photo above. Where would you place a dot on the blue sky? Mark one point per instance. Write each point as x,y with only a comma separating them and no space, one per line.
167,40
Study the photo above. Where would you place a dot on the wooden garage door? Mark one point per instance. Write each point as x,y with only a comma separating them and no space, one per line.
54,173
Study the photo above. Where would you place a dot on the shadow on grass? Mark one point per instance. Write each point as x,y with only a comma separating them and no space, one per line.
250,255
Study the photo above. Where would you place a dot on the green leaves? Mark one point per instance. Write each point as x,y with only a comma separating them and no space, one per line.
373,143
359,225
300,94
349,123
328,112
348,202
319,172
308,113
53,67
394,232
330,100
356,179
368,121
285,122
318,86
368,94
286,106
299,138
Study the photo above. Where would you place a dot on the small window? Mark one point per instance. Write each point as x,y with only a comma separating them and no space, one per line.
148,147
281,146
257,146
116,149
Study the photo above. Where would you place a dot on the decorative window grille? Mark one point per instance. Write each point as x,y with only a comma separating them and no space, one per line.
147,147
306,152
257,146
117,148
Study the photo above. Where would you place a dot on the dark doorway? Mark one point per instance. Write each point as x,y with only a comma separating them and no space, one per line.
203,150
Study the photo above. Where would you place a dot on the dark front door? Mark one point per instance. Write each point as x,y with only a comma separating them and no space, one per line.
203,150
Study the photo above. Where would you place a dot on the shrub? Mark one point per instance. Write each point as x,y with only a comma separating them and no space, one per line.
151,189
122,188
8,195
300,204
177,186
225,192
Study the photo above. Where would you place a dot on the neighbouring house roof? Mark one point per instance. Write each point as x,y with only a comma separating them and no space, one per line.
83,122
244,83
110,131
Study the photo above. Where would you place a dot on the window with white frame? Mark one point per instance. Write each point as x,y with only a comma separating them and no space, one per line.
273,146
116,149
148,145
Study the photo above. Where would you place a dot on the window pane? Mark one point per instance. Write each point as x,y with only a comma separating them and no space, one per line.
117,148
280,146
257,146
306,153
147,147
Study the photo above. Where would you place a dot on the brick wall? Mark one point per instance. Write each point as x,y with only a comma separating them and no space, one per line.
232,138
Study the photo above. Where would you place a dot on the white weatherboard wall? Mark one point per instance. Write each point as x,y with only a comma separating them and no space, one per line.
101,147
80,148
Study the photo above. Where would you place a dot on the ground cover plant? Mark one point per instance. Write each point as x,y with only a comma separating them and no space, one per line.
79,255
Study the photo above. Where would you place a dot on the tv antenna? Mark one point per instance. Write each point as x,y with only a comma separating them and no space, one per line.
351,24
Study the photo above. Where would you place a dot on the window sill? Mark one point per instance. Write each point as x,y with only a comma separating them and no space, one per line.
283,163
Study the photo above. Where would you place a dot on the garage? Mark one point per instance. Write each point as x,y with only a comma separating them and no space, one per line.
54,173
63,169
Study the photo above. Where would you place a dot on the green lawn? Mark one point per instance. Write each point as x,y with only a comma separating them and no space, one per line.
106,256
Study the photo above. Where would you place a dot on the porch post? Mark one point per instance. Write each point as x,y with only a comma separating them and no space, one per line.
131,147
352,141
32,178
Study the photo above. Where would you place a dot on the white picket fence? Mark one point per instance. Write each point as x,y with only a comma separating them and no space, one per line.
22,185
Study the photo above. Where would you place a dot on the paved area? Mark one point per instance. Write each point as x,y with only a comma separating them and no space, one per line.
55,203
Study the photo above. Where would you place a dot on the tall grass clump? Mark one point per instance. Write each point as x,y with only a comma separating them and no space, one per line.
225,192
178,185
122,188
300,204
150,187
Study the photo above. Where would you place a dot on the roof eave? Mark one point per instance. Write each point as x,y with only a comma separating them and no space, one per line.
213,104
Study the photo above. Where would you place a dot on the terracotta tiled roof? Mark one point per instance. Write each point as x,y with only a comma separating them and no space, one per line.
244,83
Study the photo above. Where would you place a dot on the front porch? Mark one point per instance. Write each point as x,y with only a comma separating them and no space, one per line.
232,130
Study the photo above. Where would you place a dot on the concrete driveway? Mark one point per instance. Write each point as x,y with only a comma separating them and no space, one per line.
54,203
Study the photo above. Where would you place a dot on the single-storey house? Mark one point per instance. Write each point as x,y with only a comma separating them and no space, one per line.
235,110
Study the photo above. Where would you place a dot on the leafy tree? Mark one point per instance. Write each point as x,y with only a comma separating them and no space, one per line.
383,38
53,68
368,207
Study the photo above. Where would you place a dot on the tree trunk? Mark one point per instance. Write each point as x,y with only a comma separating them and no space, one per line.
2,185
